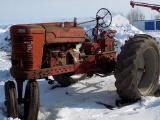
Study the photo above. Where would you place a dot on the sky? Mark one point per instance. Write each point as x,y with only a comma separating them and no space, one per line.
31,11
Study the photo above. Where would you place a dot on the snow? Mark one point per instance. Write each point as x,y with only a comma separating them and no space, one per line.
119,20
80,101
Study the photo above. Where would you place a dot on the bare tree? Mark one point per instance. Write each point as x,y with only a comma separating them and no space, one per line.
135,14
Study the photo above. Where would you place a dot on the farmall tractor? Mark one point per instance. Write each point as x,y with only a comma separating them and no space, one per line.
50,49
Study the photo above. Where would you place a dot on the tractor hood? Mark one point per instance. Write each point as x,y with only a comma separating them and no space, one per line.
63,32
54,32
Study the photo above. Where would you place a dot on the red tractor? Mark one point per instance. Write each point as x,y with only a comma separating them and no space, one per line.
50,49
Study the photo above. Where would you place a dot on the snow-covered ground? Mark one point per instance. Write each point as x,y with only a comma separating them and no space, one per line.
81,101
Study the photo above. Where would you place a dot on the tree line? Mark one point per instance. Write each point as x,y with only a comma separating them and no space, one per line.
137,14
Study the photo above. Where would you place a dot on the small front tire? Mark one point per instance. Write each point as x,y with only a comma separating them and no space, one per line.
32,101
11,99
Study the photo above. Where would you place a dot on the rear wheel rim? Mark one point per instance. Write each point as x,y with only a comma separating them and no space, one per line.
146,71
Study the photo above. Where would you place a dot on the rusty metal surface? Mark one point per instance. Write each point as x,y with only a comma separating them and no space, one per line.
90,48
26,28
85,64
64,34
27,46
41,73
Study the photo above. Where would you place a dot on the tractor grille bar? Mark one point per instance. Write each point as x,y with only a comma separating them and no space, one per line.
22,52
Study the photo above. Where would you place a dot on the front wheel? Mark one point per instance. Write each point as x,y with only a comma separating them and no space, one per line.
11,99
137,69
32,101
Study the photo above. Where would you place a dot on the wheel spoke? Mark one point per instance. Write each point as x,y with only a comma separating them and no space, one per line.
104,16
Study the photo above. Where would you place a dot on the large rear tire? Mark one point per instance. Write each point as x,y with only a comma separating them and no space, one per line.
67,79
32,101
11,99
137,69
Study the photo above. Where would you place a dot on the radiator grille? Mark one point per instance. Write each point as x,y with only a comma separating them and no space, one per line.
19,54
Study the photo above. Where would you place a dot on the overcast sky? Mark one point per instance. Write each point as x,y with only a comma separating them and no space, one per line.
30,11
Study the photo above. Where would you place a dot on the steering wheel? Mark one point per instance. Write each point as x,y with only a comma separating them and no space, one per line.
104,17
